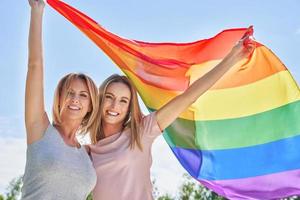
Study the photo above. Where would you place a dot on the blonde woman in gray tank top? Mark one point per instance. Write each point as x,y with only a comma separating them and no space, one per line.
57,167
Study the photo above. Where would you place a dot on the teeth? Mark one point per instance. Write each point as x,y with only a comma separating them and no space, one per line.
74,107
112,113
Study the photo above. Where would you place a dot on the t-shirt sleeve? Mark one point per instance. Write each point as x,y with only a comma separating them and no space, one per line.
151,128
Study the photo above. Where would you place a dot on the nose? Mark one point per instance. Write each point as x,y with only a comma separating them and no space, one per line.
113,104
75,99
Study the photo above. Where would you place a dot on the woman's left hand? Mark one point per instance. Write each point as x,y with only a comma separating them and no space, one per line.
245,46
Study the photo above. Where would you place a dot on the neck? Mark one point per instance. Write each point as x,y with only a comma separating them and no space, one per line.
111,129
68,129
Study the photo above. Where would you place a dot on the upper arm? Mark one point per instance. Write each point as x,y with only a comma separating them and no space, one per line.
36,119
151,126
171,110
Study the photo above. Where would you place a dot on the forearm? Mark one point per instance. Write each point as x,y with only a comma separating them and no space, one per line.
168,113
35,55
201,85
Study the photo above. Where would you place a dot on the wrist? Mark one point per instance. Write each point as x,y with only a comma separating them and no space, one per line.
37,10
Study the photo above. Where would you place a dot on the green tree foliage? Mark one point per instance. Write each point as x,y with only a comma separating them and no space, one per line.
189,190
89,197
165,197
192,190
14,189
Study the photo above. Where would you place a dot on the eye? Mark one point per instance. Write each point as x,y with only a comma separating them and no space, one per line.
84,95
124,101
107,96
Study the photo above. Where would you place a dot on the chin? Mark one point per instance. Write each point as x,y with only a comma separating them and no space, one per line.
74,117
113,122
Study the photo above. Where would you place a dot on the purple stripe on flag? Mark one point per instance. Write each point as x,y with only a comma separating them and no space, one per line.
272,186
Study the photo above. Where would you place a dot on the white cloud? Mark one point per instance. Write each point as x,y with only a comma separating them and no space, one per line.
166,170
12,156
12,127
12,149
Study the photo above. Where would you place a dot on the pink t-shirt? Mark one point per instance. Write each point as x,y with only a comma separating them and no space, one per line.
124,173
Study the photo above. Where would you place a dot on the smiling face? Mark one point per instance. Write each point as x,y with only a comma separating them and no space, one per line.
75,101
116,104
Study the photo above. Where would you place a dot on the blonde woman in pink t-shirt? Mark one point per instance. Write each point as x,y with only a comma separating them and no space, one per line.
122,138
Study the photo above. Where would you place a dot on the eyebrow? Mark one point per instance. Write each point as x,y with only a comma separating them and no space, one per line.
109,93
82,91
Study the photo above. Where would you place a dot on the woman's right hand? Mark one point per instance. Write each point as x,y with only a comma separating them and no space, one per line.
37,4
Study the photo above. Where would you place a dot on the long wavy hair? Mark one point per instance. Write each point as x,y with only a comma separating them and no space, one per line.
132,119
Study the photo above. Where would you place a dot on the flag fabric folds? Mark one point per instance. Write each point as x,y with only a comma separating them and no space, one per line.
241,138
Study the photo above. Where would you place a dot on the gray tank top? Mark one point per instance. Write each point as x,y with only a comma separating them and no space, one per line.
56,171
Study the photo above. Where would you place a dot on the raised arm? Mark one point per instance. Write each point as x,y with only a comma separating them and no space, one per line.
170,111
36,119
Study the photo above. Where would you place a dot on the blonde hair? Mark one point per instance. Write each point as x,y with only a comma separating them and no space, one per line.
133,118
62,87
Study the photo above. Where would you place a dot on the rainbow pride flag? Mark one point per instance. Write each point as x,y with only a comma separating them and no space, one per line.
242,137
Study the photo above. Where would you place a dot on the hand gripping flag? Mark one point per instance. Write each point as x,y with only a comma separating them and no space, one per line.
242,137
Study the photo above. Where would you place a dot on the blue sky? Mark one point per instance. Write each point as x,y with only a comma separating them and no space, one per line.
276,24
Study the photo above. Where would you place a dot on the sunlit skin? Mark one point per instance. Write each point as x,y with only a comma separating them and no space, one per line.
77,102
115,108
74,107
